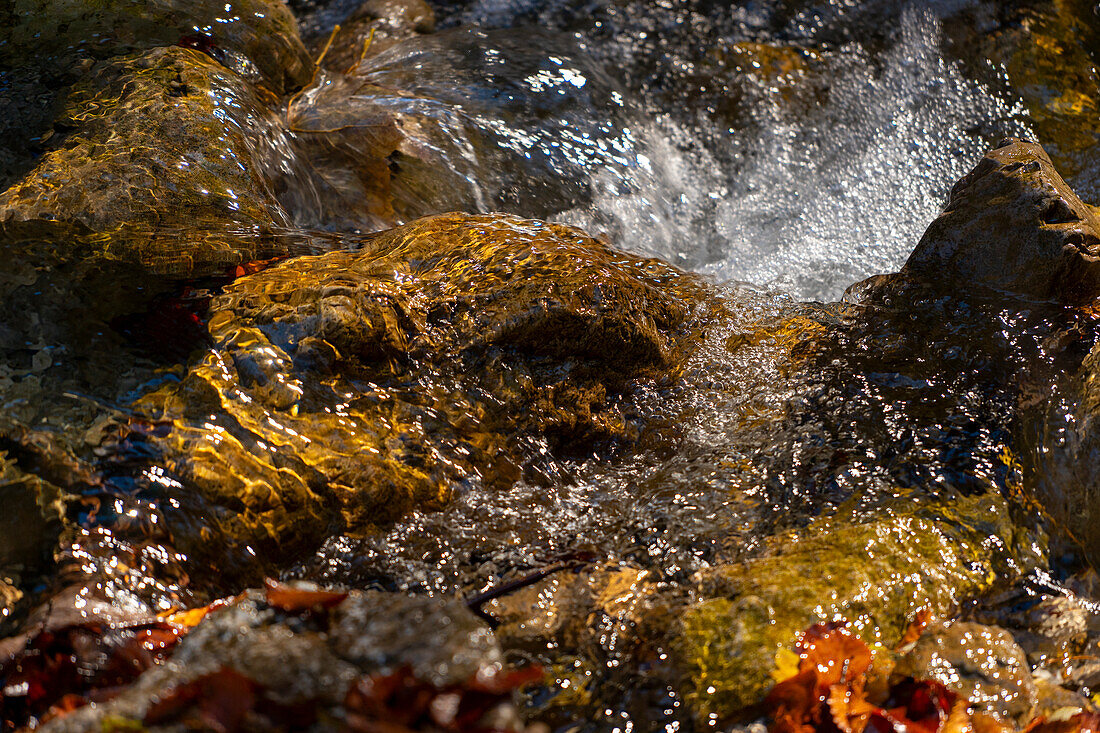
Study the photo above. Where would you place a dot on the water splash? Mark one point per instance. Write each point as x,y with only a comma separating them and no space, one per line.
845,193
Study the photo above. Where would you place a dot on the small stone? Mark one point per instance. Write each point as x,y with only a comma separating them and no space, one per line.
984,664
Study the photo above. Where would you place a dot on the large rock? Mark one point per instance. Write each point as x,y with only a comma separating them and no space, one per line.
466,120
258,38
301,665
1013,224
345,389
170,152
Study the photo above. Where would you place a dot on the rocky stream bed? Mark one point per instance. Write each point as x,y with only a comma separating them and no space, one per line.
550,365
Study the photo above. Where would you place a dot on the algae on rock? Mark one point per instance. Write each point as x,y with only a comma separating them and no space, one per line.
348,388
257,38
874,574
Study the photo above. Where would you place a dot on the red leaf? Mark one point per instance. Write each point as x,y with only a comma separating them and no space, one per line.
61,669
218,701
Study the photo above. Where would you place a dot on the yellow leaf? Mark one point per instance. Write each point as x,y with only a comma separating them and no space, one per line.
786,665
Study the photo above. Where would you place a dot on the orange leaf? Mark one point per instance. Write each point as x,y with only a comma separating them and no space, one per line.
849,709
297,600
191,617
1080,723
986,723
914,630
829,656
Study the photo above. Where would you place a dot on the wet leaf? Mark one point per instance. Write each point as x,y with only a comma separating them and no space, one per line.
253,266
400,702
63,669
218,701
298,600
914,630
1085,722
191,617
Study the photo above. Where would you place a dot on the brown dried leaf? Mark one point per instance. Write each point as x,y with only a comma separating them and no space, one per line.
298,600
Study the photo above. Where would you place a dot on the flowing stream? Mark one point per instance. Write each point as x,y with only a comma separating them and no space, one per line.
784,151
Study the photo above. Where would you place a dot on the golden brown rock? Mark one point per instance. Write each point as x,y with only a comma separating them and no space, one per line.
1013,224
258,38
1045,50
348,388
168,139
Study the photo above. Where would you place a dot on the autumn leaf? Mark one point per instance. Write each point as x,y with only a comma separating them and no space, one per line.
1084,722
298,600
63,669
218,702
914,630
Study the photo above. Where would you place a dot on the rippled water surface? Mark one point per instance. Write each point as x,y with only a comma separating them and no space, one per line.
783,151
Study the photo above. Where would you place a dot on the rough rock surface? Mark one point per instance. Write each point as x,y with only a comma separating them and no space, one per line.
345,389
1013,224
300,660
1065,445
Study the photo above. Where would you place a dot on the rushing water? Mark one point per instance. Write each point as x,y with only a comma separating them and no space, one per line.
783,150
805,165
823,174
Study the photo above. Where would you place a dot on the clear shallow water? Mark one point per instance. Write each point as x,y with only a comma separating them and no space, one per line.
817,167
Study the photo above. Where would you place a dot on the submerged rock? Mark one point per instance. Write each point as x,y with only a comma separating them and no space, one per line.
346,389
874,575
373,27
154,146
984,664
258,38
466,120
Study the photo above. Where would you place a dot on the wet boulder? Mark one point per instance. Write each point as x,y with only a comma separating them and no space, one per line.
1045,51
346,389
1064,442
308,657
258,38
873,575
372,28
1013,224
466,120
151,147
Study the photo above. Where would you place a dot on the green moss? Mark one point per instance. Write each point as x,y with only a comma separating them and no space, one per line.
875,575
